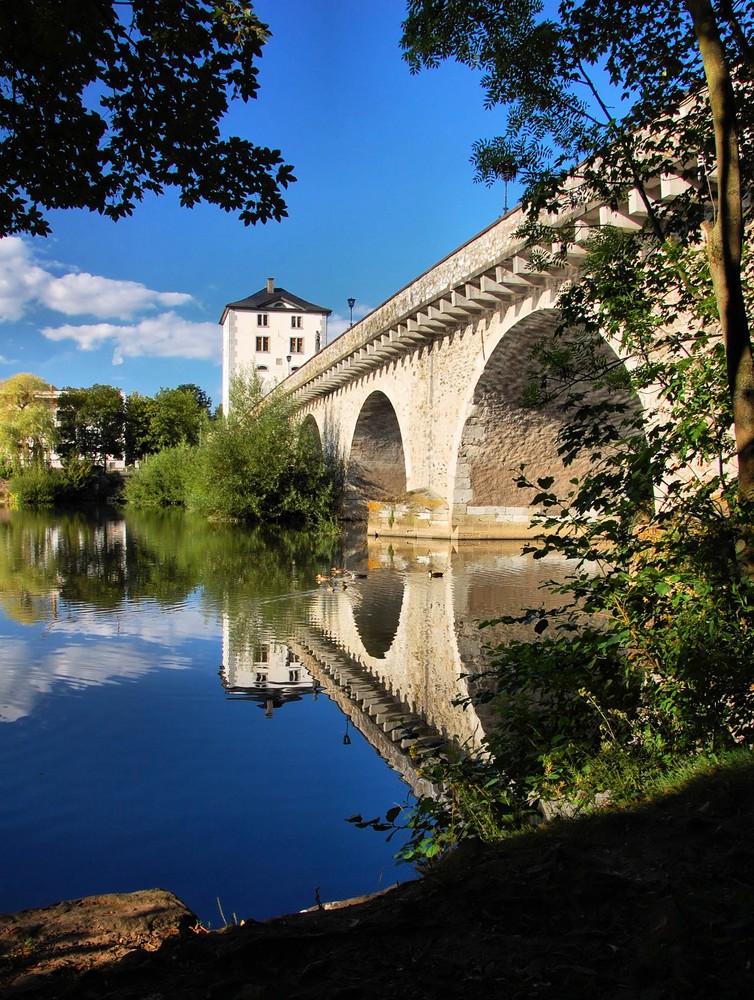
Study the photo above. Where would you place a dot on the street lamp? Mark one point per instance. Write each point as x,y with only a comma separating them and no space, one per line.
351,304
288,359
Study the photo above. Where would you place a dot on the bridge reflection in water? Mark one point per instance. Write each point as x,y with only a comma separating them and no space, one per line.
393,638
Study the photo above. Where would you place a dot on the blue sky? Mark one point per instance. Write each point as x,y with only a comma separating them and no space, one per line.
385,189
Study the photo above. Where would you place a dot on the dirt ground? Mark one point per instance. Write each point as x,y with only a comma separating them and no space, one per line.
652,904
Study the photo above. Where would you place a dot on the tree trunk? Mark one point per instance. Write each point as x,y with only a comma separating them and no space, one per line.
725,239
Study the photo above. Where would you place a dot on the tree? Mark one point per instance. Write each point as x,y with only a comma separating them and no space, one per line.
259,464
91,423
643,659
681,75
177,417
139,439
27,421
201,397
102,101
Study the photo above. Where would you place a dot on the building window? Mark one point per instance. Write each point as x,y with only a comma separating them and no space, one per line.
297,345
262,368
263,344
296,322
262,319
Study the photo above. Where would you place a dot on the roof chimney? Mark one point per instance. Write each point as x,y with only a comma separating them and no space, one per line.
271,285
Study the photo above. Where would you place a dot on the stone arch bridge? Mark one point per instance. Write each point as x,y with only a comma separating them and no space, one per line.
421,397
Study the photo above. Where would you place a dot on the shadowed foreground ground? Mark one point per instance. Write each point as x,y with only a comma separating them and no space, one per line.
647,905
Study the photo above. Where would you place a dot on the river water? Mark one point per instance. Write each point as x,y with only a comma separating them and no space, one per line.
185,705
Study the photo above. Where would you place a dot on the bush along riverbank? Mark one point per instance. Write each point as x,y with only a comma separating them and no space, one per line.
77,483
257,464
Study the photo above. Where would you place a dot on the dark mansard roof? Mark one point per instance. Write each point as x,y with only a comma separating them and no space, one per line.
277,299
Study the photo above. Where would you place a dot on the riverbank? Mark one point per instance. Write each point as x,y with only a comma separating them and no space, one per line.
642,904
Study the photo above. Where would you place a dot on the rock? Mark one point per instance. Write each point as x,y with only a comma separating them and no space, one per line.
78,935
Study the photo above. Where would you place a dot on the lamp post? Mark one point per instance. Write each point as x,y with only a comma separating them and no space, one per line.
351,304
288,360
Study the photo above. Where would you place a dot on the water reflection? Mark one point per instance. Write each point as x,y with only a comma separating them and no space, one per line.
402,615
127,760
93,584
377,602
269,672
410,624
392,637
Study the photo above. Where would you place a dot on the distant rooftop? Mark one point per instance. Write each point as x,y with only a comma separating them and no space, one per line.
274,297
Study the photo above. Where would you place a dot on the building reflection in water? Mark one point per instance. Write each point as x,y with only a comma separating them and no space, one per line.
394,640
266,671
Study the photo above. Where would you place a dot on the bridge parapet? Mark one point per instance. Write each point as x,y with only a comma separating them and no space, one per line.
459,287
490,269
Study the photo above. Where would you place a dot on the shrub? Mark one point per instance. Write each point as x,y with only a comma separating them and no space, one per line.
78,476
35,488
162,479
259,464
645,666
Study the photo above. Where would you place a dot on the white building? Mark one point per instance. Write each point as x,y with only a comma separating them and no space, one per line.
272,332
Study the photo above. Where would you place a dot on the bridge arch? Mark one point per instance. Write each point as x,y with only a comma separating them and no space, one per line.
377,612
310,428
414,653
377,458
499,434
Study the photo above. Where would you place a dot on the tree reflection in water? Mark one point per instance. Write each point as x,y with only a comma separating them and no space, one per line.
123,767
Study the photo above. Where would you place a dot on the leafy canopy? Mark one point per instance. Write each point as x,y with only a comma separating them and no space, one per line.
256,464
103,101
577,78
27,423
598,102
91,423
178,416
644,661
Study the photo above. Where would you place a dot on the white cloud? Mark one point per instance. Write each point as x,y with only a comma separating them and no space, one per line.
88,294
167,336
92,652
23,283
20,278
